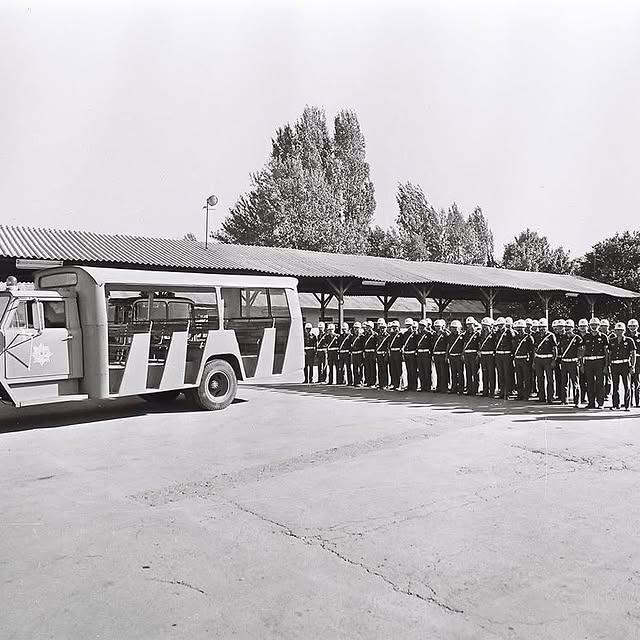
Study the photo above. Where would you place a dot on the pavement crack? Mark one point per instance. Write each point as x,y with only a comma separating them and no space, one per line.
181,583
556,454
328,546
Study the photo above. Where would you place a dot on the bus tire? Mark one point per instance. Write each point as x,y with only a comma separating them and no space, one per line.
217,388
161,397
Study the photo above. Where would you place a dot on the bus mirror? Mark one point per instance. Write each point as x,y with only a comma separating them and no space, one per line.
39,315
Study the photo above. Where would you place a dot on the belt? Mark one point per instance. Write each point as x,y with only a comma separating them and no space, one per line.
322,348
455,355
355,353
520,357
569,359
470,351
544,355
345,351
486,353
333,349
424,351
309,348
620,362
503,353
396,349
439,353
369,350
409,353
593,358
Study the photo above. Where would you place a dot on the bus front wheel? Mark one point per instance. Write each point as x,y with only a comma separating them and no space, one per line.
217,388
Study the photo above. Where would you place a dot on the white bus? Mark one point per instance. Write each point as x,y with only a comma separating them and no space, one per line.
90,332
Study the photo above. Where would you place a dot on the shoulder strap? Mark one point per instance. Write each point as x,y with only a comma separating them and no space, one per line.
484,342
568,347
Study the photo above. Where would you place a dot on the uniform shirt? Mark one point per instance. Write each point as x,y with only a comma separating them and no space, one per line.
546,344
621,349
487,342
524,345
425,342
455,344
382,343
594,345
357,344
332,342
310,341
569,346
395,343
410,342
344,342
323,341
370,341
471,340
440,343
504,341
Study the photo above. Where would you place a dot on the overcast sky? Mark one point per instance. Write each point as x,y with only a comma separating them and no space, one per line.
122,117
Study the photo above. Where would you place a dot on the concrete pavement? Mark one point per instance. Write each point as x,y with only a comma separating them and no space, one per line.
306,512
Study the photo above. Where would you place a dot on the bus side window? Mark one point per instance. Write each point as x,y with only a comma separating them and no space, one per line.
254,303
231,299
54,314
23,316
279,304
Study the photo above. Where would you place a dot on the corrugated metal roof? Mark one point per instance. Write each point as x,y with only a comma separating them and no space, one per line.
87,247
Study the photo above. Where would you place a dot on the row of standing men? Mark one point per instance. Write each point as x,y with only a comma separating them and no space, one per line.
501,358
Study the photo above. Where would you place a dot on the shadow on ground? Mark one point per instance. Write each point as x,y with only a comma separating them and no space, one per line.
453,403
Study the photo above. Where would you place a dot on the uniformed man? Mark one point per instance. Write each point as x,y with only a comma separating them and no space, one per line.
605,330
424,347
382,354
440,356
544,358
332,353
310,344
345,373
487,355
595,360
557,327
409,354
395,355
321,353
535,335
569,347
504,356
583,328
632,332
455,349
471,340
370,340
622,351
522,357
528,326
357,354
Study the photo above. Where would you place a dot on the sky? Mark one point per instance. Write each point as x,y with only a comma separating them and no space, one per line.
122,117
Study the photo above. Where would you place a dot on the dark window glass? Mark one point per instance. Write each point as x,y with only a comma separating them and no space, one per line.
254,303
23,316
279,304
158,310
179,310
54,314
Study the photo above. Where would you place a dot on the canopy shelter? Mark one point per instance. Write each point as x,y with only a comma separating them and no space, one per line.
326,275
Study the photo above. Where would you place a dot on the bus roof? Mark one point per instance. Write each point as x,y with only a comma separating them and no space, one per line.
130,279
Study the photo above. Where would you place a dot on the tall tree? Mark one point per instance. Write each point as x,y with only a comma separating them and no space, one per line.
480,249
455,240
530,251
419,224
315,191
384,243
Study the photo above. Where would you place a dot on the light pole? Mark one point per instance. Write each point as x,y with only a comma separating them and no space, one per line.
212,201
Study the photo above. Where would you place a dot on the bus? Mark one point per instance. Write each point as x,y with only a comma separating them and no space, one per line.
94,333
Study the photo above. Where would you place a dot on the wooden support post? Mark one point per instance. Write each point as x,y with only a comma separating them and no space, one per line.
489,296
442,303
387,303
591,301
340,289
422,293
545,301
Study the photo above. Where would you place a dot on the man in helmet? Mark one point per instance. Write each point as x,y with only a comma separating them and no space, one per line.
382,354
522,357
357,354
471,339
487,355
424,347
409,354
440,356
544,358
310,344
455,349
605,330
557,326
632,332
569,347
504,356
528,326
332,354
622,350
370,341
345,373
583,329
321,352
395,356
595,360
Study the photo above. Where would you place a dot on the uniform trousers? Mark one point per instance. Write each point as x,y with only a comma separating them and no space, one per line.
382,360
321,361
635,388
442,372
456,365
523,377
412,371
344,365
594,374
309,357
504,365
471,371
395,368
370,368
423,361
332,365
544,377
622,372
557,376
569,382
357,364
488,366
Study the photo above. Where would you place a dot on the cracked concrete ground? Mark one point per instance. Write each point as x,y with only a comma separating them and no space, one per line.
320,513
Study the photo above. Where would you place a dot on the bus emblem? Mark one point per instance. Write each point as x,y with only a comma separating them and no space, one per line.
41,354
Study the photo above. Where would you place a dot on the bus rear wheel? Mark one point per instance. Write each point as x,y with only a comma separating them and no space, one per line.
217,388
